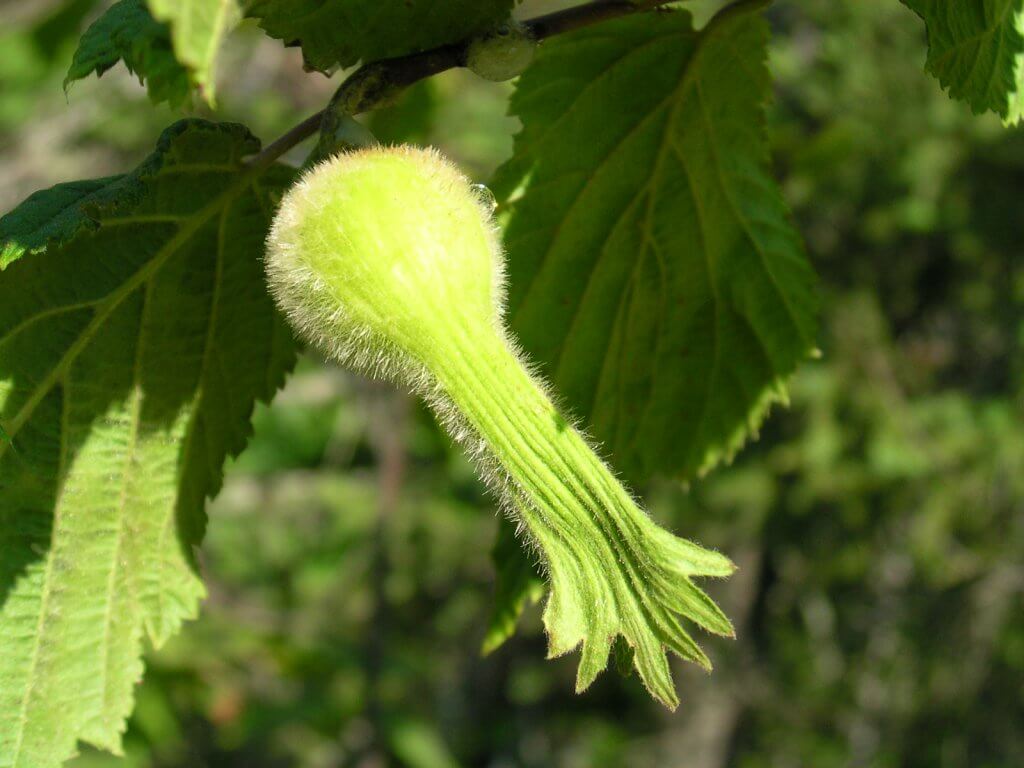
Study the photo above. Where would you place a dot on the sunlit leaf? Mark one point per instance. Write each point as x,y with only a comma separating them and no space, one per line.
654,270
976,50
136,336
198,28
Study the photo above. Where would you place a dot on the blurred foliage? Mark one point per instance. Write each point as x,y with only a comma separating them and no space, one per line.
127,32
878,522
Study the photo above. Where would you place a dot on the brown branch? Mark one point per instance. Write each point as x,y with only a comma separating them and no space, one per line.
374,84
580,16
295,136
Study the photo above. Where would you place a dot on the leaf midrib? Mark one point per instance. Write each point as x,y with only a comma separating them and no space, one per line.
201,388
44,598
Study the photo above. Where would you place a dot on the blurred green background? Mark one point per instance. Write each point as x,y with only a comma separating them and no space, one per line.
878,522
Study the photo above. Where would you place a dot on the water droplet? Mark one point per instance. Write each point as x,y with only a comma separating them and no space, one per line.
485,196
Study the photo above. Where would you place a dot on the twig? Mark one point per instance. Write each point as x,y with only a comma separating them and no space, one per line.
581,16
374,84
296,135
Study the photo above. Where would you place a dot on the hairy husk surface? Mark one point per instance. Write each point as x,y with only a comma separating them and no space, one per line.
388,261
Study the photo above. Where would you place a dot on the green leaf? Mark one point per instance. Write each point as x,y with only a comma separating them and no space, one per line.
410,119
344,32
56,214
198,27
136,335
976,50
128,33
517,583
654,271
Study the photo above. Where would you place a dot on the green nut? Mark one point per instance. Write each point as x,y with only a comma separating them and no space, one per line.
388,260
502,53
379,255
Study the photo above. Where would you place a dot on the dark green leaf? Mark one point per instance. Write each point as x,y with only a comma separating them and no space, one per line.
517,582
127,32
976,50
654,270
56,214
410,120
344,32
